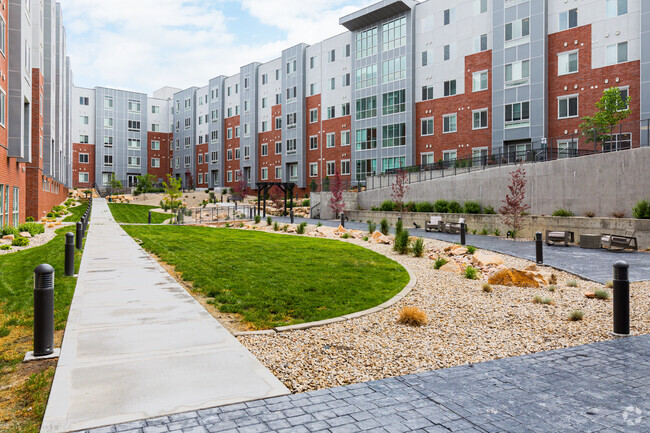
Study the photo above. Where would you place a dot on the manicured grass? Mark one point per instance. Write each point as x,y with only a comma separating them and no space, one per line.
77,213
275,280
136,213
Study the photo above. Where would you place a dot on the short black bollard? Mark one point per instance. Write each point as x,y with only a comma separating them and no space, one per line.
539,253
149,217
291,214
69,254
621,298
462,233
80,235
342,220
43,310
84,222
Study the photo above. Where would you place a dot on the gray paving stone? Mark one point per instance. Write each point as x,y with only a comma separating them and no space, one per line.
222,426
160,428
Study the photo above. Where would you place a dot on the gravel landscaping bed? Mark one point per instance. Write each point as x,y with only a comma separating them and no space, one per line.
465,325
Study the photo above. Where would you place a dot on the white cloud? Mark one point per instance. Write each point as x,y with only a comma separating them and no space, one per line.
143,45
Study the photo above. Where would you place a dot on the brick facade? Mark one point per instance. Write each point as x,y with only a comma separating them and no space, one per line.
163,154
269,138
78,166
231,145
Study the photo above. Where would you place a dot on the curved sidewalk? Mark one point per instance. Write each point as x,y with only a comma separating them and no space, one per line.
137,345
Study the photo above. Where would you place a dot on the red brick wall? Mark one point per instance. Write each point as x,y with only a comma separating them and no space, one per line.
270,137
77,167
465,139
587,83
232,144
202,168
164,154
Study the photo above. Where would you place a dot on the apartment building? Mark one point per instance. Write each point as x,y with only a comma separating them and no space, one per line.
417,83
35,84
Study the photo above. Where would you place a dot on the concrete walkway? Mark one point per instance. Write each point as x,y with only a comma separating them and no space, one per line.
600,387
137,345
595,265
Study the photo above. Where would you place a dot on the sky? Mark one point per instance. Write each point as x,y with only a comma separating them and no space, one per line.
143,45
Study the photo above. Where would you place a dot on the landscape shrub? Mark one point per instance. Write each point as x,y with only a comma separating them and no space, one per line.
285,228
590,214
472,207
618,214
454,207
58,208
258,219
576,315
440,262
418,247
601,294
29,219
497,232
50,215
384,227
401,244
301,228
641,210
31,227
411,206
489,210
562,213
8,230
484,232
471,273
345,236
412,316
572,283
399,226
371,227
441,206
276,226
5,247
471,249
487,288
424,206
305,203
542,300
269,221
365,238
20,242
387,206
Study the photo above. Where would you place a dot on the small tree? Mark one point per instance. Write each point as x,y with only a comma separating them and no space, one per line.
337,204
513,205
241,187
400,189
277,197
145,184
612,110
173,193
115,184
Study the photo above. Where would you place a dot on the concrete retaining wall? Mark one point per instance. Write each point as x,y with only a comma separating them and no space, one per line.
603,183
531,224
351,200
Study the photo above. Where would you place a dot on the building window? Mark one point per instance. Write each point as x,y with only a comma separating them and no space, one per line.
278,123
229,154
313,169
187,160
214,136
480,43
188,123
345,167
449,52
237,153
214,115
291,120
479,81
108,103
133,161
426,127
83,120
345,80
616,8
392,163
247,152
426,158
617,53
278,172
394,102
83,177
450,88
292,146
449,123
108,160
134,106
567,63
366,76
3,113
292,93
345,109
108,122
366,139
215,156
134,125
425,58
330,167
83,139
313,115
394,135
449,16
188,142
237,130
567,149
393,34
200,158
567,107
313,62
331,140
345,138
265,126
229,176
229,133
365,168
108,141
265,149
313,142
517,73
83,158
480,119
517,30
331,112
278,148
366,107
293,172
366,43
331,56
427,93
265,173
449,155
480,7
394,69
155,162
247,129
155,109
568,19
517,114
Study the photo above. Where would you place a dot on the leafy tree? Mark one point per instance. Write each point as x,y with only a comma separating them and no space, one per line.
513,205
145,184
173,192
241,187
400,189
277,197
337,204
612,110
115,184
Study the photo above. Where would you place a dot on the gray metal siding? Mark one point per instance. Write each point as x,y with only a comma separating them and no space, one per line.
217,104
298,106
249,93
182,134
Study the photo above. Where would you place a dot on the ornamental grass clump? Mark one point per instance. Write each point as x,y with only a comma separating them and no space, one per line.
269,221
542,300
572,283
471,273
258,219
440,262
401,244
471,249
371,227
276,226
418,247
412,316
487,288
399,226
301,228
601,294
576,315
345,236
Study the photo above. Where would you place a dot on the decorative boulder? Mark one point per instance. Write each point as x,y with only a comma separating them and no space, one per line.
483,260
457,250
517,278
452,267
25,234
8,237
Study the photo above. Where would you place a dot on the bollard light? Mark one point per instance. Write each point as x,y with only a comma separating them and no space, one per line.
43,310
69,254
342,220
462,233
149,217
539,254
80,235
291,215
621,298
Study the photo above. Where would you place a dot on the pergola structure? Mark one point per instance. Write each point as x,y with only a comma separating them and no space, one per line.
264,187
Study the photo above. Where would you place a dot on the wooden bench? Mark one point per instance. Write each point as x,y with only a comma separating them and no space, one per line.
433,224
557,236
619,242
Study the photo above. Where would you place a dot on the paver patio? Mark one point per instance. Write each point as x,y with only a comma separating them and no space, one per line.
137,345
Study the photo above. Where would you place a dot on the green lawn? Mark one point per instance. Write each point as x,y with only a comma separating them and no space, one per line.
136,213
275,280
77,213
